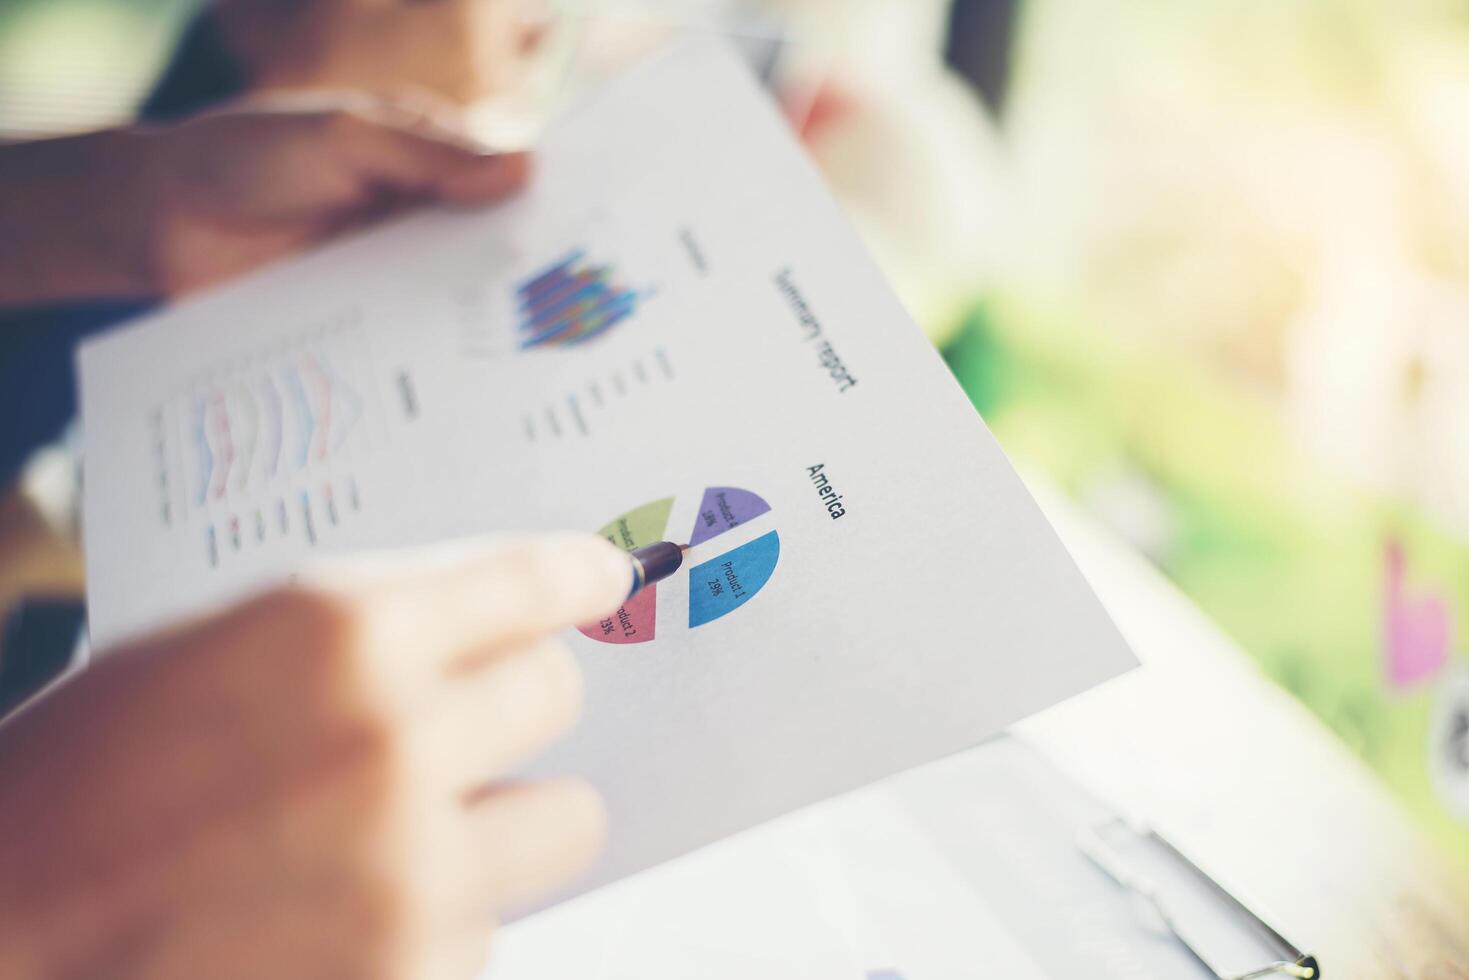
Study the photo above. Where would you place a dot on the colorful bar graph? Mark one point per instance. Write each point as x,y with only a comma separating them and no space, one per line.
571,302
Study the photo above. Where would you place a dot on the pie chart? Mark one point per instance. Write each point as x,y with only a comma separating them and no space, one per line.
720,580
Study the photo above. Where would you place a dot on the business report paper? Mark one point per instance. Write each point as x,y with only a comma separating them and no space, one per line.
673,334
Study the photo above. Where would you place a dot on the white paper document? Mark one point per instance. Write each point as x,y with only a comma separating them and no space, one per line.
673,334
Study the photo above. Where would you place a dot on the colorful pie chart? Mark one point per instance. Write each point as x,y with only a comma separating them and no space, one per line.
720,580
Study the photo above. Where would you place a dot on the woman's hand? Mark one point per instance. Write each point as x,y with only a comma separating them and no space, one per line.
159,212
311,784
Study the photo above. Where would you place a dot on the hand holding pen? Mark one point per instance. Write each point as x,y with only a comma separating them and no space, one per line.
317,781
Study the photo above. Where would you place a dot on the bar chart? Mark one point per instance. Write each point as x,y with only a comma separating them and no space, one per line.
571,302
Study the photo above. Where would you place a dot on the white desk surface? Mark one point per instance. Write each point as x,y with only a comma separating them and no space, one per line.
1234,770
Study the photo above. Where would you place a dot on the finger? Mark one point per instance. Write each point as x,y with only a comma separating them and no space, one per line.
519,844
409,109
413,145
426,114
468,604
484,185
486,723
424,151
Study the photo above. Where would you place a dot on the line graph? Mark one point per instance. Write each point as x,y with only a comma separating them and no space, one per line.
264,446
242,432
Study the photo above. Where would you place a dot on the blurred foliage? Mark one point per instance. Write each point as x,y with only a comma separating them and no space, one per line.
1233,320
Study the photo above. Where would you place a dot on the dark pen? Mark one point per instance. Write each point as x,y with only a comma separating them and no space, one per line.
654,563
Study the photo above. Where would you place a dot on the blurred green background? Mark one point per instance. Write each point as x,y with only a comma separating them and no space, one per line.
1235,325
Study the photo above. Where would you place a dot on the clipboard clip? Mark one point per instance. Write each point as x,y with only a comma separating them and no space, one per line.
1218,929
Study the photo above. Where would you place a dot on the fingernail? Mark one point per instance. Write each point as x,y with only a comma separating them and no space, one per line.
483,148
509,169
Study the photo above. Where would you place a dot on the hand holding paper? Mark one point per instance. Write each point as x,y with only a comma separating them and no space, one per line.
165,211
